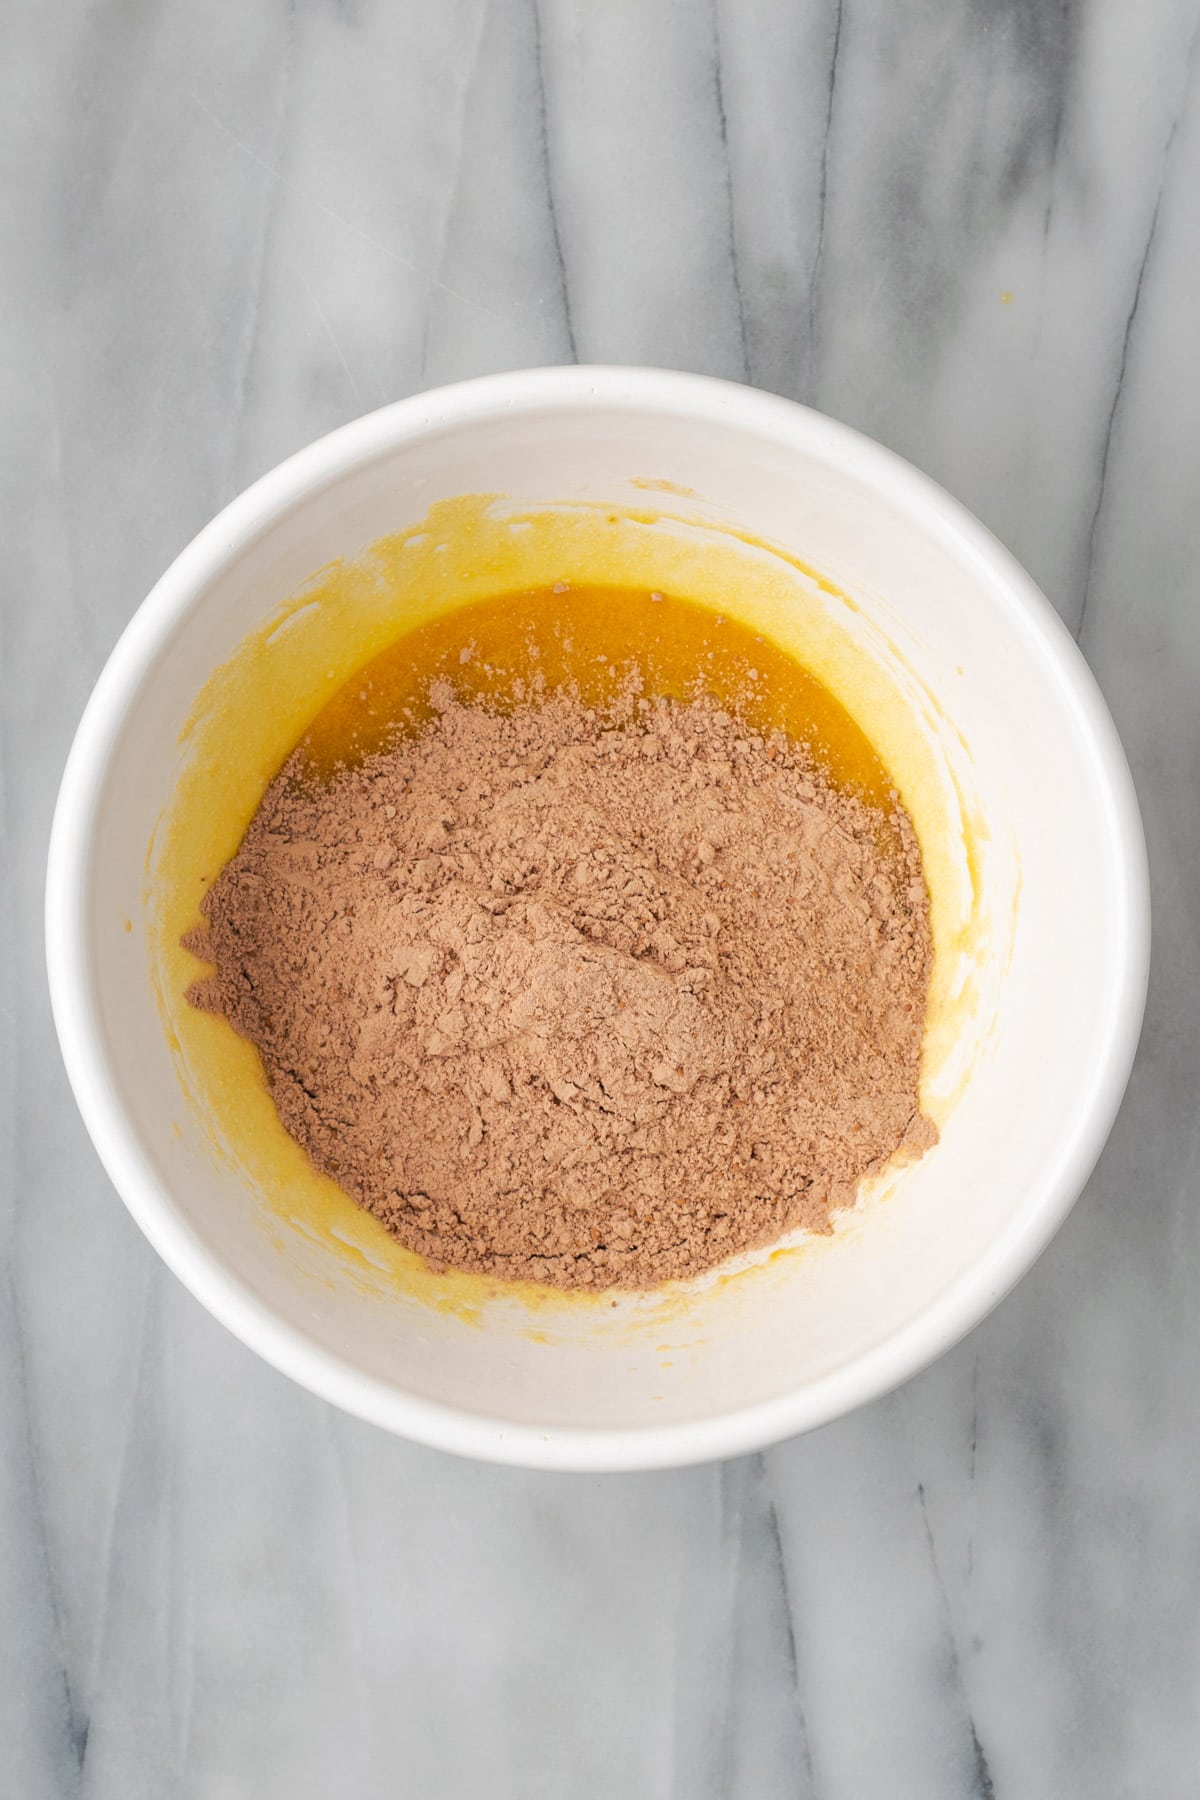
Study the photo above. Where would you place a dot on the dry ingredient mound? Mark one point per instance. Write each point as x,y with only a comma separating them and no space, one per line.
589,1004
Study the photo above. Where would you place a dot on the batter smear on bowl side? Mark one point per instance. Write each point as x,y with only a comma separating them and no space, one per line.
590,995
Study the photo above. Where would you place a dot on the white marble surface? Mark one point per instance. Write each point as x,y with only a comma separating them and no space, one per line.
968,226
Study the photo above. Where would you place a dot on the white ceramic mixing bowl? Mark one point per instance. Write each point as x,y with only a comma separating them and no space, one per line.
1060,975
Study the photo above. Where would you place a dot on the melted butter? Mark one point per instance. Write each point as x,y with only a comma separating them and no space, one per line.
592,640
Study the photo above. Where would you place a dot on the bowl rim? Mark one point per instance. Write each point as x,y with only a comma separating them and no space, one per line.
703,399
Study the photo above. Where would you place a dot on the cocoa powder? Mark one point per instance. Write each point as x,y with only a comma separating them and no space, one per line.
584,1002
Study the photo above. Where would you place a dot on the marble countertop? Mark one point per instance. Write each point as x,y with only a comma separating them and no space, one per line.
969,229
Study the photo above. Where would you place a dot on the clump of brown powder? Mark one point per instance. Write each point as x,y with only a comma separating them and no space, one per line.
593,1006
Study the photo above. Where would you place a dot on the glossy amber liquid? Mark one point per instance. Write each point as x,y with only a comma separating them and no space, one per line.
513,646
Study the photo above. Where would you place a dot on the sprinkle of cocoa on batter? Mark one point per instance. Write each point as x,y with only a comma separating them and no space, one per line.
590,1003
